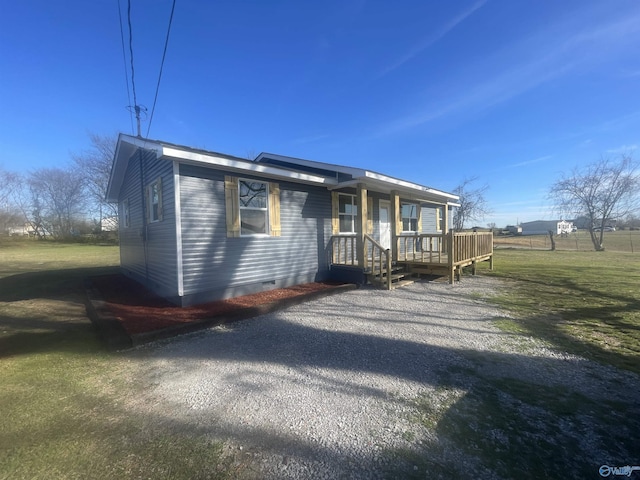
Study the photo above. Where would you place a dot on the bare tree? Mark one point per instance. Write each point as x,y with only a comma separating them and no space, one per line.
10,215
602,191
58,201
95,167
473,204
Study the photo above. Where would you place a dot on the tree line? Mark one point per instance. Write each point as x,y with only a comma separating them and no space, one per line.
60,202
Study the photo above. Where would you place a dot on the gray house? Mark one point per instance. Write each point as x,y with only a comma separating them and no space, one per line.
197,226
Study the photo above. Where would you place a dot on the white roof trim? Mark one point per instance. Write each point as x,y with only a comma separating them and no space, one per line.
360,176
354,172
195,158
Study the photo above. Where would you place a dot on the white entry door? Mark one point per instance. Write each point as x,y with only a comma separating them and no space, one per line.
385,224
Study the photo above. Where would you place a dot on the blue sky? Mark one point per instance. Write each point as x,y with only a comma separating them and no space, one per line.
513,92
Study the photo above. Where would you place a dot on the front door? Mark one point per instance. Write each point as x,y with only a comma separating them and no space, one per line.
385,224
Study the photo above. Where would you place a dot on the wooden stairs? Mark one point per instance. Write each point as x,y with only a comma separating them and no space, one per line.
399,275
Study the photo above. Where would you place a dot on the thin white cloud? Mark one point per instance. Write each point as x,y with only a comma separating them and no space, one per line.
432,38
530,162
622,149
565,53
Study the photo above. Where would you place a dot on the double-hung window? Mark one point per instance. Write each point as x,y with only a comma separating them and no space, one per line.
254,211
347,212
410,217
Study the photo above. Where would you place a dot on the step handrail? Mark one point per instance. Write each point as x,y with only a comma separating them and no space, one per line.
377,248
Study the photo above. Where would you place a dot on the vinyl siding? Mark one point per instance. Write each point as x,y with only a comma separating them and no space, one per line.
215,266
148,250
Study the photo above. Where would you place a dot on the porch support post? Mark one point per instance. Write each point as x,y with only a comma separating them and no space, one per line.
395,220
361,225
445,220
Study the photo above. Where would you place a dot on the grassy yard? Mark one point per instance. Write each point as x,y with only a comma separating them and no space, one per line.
515,426
587,303
66,402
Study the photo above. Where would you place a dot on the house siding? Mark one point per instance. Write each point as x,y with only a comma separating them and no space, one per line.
148,250
216,267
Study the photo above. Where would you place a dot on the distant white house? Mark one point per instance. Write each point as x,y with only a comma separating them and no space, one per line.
109,224
543,227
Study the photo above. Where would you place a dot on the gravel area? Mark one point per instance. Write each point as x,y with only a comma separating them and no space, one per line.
327,389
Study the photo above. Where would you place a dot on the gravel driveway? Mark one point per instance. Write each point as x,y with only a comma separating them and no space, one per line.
327,389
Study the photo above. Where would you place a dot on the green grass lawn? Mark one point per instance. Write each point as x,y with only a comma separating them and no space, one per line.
66,402
587,303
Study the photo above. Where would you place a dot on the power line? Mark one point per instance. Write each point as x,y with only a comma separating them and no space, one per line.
124,61
164,54
136,107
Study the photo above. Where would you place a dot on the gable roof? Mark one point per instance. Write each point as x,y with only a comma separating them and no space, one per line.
269,166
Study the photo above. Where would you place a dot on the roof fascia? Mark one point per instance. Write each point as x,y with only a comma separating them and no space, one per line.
354,172
408,190
244,166
361,176
125,149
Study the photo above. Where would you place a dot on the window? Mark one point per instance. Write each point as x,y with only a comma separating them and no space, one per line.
126,216
439,218
409,217
154,201
347,211
253,207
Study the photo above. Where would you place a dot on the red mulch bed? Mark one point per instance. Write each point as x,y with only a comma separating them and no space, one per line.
141,311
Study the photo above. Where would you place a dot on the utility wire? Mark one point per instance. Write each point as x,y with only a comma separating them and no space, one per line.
133,81
164,54
124,62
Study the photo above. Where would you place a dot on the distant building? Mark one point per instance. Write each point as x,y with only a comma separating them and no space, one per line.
109,224
543,227
514,229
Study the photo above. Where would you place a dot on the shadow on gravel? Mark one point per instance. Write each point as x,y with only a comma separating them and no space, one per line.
513,416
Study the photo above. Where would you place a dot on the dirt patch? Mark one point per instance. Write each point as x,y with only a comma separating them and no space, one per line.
139,311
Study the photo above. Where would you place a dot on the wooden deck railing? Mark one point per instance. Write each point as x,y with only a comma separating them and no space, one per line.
343,249
378,261
471,246
450,252
422,247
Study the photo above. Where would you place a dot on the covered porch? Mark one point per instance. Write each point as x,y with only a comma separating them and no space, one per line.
406,254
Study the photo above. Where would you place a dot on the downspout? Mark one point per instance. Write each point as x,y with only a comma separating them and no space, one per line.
144,217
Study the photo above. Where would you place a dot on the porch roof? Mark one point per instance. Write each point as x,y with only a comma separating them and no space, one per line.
352,176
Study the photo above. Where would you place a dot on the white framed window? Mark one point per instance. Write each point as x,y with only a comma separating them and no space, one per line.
439,219
126,215
254,207
347,212
154,201
409,214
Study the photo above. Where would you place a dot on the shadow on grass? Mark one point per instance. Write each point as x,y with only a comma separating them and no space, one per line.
45,311
589,322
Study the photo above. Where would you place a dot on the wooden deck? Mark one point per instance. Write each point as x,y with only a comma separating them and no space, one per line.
433,254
